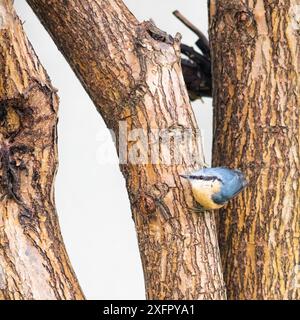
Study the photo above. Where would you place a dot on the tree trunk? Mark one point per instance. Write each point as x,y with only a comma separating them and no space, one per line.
33,260
132,73
255,56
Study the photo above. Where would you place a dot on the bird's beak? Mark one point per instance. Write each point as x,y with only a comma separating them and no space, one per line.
184,176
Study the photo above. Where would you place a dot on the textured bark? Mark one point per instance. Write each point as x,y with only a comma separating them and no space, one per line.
255,56
132,73
33,260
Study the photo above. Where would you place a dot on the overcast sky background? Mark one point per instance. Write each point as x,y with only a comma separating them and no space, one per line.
91,197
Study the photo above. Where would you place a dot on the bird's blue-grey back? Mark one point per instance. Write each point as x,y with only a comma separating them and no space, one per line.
233,182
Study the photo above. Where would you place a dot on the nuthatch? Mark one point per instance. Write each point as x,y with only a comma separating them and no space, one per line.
214,187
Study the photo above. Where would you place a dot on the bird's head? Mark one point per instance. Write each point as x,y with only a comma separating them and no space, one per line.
214,187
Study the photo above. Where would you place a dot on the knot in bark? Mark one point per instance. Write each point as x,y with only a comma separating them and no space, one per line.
147,204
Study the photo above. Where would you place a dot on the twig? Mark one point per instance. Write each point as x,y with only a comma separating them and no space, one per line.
203,42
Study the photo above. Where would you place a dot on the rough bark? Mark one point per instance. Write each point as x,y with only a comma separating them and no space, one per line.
33,260
132,73
255,56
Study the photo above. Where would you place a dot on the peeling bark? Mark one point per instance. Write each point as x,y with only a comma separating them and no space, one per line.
33,260
255,56
132,73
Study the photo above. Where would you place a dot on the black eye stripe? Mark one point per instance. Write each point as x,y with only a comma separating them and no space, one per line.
205,178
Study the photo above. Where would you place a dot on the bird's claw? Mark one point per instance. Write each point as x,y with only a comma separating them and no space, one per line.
198,209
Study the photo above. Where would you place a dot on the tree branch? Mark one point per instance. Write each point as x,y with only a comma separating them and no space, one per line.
256,116
197,68
33,260
132,73
203,42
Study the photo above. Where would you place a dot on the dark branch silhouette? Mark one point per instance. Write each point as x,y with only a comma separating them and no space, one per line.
196,67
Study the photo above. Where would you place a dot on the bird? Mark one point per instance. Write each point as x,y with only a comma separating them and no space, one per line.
212,188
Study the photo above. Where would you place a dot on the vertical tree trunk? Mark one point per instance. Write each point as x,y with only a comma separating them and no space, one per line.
132,73
255,55
33,260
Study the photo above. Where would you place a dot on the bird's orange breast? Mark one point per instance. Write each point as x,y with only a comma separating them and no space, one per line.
203,193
